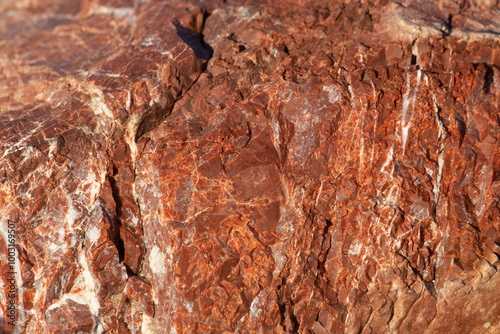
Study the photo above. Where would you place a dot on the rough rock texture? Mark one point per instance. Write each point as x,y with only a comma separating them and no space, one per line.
250,166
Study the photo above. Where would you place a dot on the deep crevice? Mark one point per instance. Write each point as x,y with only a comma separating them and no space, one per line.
448,26
295,322
413,60
116,223
326,234
195,40
281,303
488,78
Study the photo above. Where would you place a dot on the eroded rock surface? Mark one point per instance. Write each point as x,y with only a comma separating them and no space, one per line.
251,166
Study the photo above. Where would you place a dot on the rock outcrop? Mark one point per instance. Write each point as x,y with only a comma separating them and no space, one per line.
249,166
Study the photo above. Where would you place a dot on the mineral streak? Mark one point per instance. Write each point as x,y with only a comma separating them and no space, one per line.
250,166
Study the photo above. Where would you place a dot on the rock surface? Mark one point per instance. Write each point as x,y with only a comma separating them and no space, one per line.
250,166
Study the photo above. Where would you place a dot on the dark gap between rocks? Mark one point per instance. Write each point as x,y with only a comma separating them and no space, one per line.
281,303
413,60
295,322
195,40
117,224
488,78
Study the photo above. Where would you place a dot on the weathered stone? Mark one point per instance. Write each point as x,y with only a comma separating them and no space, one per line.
251,167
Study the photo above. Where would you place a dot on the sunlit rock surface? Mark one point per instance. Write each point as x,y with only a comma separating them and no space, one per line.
250,166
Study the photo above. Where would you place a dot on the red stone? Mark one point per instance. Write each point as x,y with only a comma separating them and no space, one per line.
250,166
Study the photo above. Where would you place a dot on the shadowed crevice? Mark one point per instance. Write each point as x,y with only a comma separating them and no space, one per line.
117,224
194,40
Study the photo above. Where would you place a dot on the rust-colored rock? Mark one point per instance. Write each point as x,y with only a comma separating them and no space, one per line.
250,166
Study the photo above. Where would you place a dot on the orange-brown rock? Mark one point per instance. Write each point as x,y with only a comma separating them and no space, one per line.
248,166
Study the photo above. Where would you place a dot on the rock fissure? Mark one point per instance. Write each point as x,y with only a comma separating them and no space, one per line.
116,223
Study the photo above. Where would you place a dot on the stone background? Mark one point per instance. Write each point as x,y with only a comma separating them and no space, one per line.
251,166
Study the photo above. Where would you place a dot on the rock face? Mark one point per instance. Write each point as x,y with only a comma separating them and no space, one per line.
250,166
